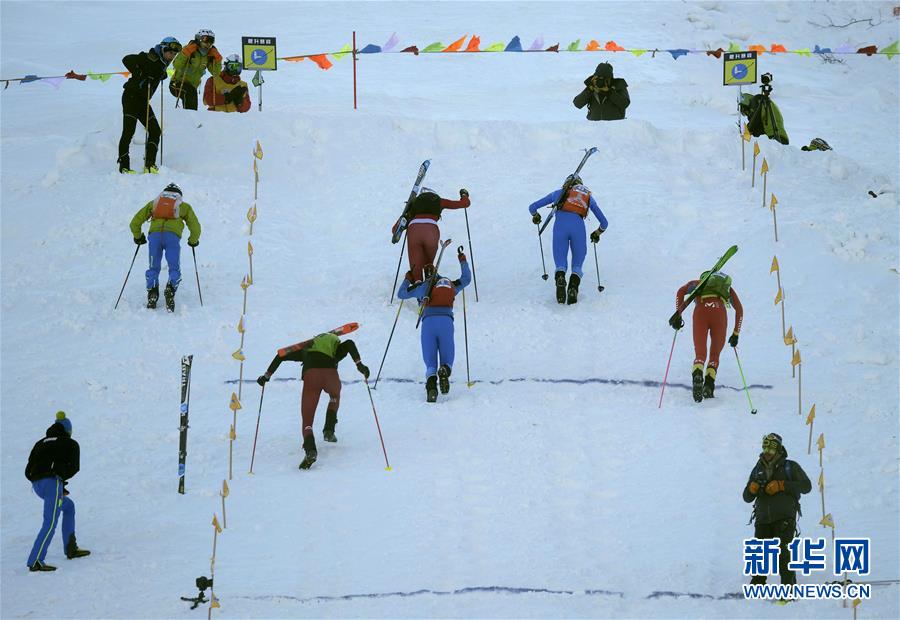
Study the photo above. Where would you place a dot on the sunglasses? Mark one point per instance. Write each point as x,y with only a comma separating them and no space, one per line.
233,67
172,47
207,40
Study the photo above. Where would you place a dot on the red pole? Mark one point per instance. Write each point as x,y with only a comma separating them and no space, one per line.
663,391
378,426
354,69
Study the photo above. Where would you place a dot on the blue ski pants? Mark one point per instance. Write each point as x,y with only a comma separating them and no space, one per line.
51,491
437,339
170,243
568,232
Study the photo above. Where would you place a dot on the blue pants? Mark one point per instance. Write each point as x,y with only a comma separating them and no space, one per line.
568,231
437,338
171,244
51,491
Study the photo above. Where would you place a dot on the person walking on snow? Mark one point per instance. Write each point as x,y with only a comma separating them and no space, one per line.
52,462
775,485
147,69
437,322
320,361
195,59
710,322
568,232
168,214
423,234
227,92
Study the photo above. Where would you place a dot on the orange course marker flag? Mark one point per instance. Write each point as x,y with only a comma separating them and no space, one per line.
774,267
811,416
765,167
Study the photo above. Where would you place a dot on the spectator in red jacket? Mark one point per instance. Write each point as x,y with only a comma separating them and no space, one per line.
227,92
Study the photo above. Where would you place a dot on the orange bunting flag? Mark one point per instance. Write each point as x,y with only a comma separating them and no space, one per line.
756,148
251,214
215,523
759,49
765,167
774,267
795,361
238,355
773,202
778,47
593,46
612,46
820,442
474,43
456,45
249,248
789,337
257,152
821,480
231,434
225,490
811,416
827,521
322,61
746,137
778,297
235,404
240,326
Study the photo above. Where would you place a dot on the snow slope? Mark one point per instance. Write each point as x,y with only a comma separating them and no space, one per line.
554,487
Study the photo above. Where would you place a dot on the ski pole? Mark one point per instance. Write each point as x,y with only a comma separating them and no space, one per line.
472,254
256,434
399,308
672,350
197,273
399,262
600,287
377,425
147,126
746,389
162,116
126,276
543,264
466,334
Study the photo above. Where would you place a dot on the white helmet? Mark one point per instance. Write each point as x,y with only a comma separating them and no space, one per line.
232,64
209,35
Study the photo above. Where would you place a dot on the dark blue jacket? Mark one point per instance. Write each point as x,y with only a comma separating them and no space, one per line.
782,505
57,454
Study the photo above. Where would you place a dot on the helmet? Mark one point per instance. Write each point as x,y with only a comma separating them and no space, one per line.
169,44
172,187
771,442
573,179
205,36
232,65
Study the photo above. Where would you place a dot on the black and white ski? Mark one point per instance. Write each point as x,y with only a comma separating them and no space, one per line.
566,187
431,281
403,220
183,427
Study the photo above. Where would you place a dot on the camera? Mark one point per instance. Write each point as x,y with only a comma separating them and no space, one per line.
203,583
766,79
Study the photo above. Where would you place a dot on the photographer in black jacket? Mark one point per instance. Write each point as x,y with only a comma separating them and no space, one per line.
53,460
605,96
147,69
775,484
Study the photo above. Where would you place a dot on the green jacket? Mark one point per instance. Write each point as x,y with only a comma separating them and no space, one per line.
187,216
190,64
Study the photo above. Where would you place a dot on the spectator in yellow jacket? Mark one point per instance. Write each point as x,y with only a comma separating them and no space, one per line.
227,92
195,59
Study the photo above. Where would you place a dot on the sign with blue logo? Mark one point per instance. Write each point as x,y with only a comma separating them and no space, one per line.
739,68
259,53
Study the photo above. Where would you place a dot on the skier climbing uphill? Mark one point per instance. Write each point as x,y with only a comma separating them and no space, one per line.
574,200
437,294
422,233
710,322
320,357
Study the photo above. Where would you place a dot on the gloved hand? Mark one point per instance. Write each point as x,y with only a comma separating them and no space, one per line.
140,240
363,369
676,321
733,340
235,95
263,379
194,244
536,218
754,488
775,486
464,193
409,277
595,236
176,86
460,254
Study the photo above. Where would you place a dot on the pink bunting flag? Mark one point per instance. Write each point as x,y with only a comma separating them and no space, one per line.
537,45
53,81
391,43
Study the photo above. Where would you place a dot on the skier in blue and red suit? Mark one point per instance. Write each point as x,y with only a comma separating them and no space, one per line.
437,322
568,233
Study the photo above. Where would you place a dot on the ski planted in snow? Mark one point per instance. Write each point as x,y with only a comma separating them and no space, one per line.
566,187
432,281
403,220
337,331
702,283
183,426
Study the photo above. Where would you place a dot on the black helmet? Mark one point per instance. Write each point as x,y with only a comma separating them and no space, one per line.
573,179
172,187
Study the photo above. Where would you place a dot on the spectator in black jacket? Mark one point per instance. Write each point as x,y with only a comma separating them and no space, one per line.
147,69
53,460
776,484
605,96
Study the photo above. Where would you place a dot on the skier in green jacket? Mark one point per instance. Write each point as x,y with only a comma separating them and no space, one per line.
194,60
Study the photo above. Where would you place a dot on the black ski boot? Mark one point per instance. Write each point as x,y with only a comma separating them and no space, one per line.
39,566
709,386
125,165
309,445
152,297
431,389
72,550
330,423
698,385
560,287
444,378
574,281
170,297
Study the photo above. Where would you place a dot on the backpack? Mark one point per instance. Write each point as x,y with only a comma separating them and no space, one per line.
578,200
167,206
719,284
